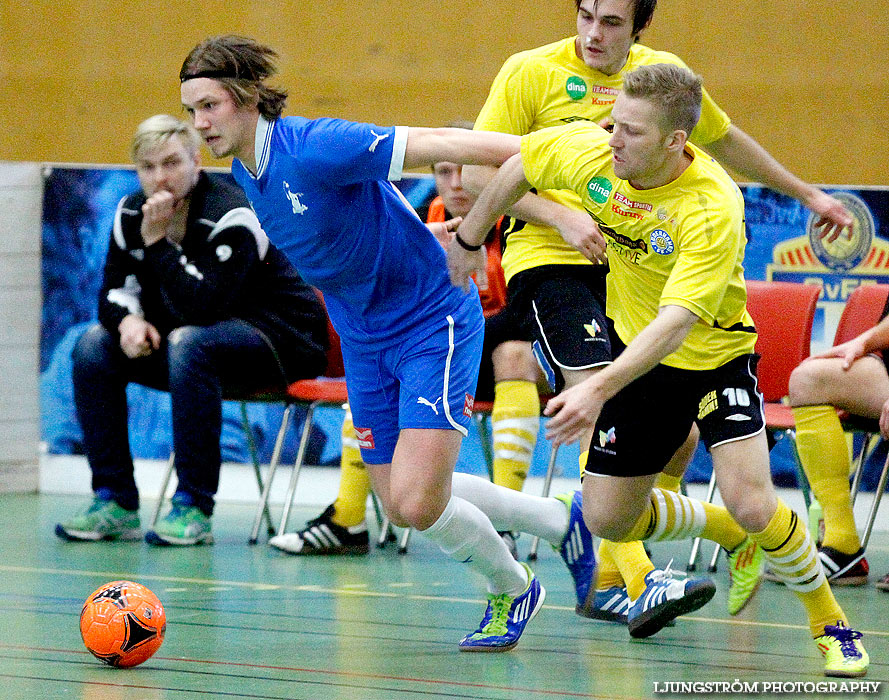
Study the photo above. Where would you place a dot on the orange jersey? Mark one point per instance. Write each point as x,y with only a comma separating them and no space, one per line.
494,297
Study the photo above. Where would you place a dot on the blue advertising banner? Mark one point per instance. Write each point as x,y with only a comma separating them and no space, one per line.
79,205
784,246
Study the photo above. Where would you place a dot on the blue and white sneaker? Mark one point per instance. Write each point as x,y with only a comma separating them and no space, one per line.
505,618
611,604
576,549
664,599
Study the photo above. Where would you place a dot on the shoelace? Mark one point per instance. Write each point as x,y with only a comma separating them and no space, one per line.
500,605
667,574
846,638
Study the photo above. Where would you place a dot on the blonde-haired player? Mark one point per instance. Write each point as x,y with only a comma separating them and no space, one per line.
684,340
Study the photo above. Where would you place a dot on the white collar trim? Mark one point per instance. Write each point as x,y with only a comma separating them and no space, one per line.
262,146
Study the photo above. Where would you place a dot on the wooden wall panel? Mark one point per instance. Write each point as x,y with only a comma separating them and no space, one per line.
808,80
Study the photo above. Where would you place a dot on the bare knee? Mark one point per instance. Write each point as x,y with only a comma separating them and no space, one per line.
513,360
800,385
606,523
412,509
752,510
810,383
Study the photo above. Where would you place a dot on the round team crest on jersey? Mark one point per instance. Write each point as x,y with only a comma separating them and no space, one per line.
661,242
844,253
575,87
223,252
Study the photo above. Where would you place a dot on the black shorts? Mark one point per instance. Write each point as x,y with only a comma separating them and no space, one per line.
641,427
561,310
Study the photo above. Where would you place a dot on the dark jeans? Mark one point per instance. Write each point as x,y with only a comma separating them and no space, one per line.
198,365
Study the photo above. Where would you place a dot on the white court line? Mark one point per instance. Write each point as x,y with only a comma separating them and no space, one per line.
247,585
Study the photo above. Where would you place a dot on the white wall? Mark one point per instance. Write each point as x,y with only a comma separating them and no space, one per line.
21,197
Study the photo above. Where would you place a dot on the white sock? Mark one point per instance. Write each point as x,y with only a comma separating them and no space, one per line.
513,510
464,533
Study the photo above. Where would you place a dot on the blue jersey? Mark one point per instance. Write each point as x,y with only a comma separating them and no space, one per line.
323,196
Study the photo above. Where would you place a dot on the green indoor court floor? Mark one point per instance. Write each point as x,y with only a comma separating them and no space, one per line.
249,622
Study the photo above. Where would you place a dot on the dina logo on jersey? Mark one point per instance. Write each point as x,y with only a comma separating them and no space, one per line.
575,87
599,189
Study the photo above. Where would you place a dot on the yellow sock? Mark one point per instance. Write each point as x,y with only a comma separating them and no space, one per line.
668,482
607,573
631,562
824,454
792,555
351,501
515,420
672,516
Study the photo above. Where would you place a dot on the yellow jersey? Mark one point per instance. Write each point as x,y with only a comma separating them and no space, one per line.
549,86
679,244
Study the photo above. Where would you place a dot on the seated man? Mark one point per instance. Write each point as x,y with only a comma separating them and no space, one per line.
197,302
851,376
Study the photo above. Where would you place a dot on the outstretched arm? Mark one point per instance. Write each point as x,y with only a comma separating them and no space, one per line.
575,226
428,146
575,411
742,153
505,189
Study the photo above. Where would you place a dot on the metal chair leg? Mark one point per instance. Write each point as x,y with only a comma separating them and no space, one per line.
386,534
378,509
294,476
878,495
263,506
696,544
860,463
547,484
254,459
714,559
385,529
162,495
405,538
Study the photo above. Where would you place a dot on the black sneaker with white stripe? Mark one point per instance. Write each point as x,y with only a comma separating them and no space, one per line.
839,568
323,536
844,569
664,599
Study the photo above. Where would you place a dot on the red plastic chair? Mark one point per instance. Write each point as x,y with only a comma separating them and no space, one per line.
327,390
863,311
783,313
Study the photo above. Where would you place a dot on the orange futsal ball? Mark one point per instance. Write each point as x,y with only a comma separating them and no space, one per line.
122,623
